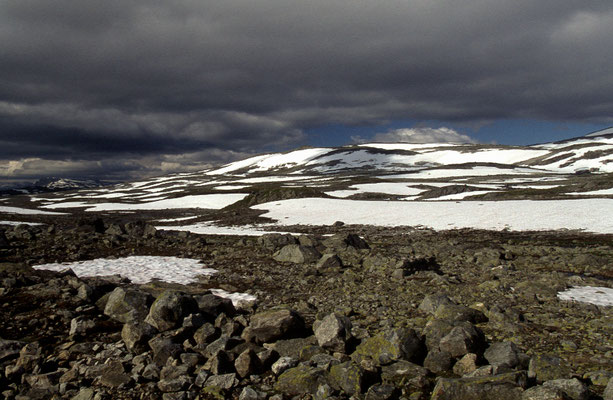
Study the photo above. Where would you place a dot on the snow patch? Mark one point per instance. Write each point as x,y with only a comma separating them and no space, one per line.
600,296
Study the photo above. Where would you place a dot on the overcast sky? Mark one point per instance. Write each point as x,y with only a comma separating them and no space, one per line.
121,89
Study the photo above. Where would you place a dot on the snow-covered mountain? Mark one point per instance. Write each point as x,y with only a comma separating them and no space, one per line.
329,183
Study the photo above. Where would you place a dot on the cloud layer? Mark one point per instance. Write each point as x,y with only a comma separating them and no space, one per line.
192,82
423,135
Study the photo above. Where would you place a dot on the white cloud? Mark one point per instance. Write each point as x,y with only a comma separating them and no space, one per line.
423,135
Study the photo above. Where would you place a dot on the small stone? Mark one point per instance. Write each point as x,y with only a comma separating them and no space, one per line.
283,364
466,364
248,394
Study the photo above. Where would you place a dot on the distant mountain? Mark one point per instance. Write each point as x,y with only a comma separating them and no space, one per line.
53,184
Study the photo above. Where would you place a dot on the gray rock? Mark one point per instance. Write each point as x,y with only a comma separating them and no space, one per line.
329,262
462,340
608,391
163,348
169,310
226,381
435,330
205,334
211,306
544,393
248,394
300,380
297,254
274,241
466,364
136,335
85,394
547,367
174,385
342,241
391,345
502,354
405,373
432,302
126,305
247,363
173,371
333,332
269,326
438,361
81,326
201,378
505,386
382,392
574,388
9,349
348,377
459,313
282,364
113,375
151,372
220,363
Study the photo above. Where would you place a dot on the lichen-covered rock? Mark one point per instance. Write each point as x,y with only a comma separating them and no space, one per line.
169,310
343,240
462,340
126,305
466,364
297,254
333,332
432,302
404,373
268,326
329,262
574,388
302,379
547,367
247,363
348,377
391,345
136,335
608,391
544,393
456,312
438,361
507,386
502,354
382,392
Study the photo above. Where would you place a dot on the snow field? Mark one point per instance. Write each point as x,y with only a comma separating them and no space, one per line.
579,214
600,296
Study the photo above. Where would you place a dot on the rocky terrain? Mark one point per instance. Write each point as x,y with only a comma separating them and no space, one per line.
342,311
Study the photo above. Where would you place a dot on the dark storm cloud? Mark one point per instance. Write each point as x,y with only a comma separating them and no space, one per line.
87,79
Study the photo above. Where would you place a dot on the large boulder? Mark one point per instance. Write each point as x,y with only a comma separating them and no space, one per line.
342,241
462,340
297,254
504,386
503,354
274,241
269,326
391,345
348,377
169,310
333,332
125,305
573,388
136,335
302,379
545,367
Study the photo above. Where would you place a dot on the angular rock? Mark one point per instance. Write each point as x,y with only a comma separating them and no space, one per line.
466,364
459,313
211,306
333,332
438,361
329,262
341,241
274,241
544,393
432,302
163,348
282,364
136,335
85,394
435,330
247,363
297,254
462,340
391,345
404,373
174,385
269,326
348,377
9,349
300,380
206,334
608,391
382,392
547,367
502,354
220,363
574,388
226,381
169,310
126,305
113,375
505,386
81,326
248,394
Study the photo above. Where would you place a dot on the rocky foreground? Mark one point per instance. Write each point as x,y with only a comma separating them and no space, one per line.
365,314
